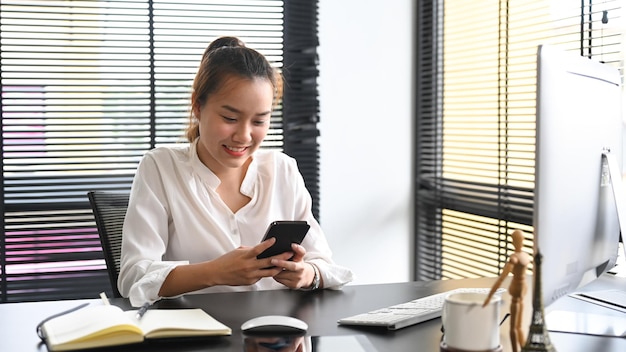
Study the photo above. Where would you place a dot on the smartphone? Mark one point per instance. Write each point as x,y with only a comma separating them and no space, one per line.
286,233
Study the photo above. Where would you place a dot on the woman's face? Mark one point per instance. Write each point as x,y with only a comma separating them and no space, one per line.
234,122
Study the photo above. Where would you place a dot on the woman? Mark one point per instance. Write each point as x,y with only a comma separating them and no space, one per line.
197,212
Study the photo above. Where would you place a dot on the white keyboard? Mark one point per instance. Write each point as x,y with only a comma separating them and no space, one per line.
409,313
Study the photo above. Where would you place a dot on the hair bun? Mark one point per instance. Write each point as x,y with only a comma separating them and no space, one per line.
222,42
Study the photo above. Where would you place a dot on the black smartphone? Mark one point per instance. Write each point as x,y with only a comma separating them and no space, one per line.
286,233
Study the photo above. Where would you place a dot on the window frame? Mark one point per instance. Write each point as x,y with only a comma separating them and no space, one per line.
494,208
296,121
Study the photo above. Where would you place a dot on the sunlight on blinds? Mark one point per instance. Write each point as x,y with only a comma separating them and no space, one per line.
489,110
471,249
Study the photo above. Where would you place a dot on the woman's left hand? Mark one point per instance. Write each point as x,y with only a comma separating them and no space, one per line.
296,273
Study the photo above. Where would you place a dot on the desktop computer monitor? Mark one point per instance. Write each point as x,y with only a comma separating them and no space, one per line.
577,170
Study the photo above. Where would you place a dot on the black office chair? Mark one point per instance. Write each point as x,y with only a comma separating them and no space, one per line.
109,210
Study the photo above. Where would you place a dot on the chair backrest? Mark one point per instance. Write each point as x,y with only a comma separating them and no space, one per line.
109,210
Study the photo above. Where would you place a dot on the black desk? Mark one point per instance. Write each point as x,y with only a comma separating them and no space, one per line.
319,309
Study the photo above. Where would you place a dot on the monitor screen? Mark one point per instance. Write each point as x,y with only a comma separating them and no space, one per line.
575,215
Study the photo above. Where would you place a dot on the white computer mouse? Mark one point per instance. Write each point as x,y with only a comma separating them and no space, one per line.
278,324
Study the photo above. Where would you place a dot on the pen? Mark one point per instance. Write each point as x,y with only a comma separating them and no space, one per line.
142,310
104,298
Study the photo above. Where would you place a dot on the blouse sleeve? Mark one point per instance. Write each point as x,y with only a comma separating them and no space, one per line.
334,276
145,236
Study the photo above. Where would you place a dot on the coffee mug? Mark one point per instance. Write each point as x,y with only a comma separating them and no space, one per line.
467,325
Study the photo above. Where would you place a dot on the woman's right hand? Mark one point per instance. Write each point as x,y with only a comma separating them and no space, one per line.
241,266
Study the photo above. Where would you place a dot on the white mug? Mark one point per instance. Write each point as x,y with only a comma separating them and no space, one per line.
468,326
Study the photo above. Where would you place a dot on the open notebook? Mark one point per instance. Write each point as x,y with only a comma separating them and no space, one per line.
109,325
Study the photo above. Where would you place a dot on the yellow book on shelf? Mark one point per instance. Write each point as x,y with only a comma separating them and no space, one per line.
109,325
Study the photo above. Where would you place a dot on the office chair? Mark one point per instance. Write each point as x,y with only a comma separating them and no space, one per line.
109,210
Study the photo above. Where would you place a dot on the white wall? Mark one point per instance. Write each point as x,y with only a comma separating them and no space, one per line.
366,138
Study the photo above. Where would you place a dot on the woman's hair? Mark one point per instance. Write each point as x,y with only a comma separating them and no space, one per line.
223,58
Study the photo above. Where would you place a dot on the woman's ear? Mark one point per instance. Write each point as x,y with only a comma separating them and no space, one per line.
195,110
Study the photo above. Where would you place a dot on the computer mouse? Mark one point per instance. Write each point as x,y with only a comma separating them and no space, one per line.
276,324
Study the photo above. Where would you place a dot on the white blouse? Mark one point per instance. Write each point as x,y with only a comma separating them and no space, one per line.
175,216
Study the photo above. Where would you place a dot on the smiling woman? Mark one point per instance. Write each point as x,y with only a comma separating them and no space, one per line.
197,212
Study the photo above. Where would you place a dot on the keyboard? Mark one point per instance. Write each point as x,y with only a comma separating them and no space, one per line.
409,313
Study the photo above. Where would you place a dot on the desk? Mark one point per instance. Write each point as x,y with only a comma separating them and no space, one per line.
320,309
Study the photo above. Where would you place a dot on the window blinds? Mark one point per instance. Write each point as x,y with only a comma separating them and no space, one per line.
475,139
87,88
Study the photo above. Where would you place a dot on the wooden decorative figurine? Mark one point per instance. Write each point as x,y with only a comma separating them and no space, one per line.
517,264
